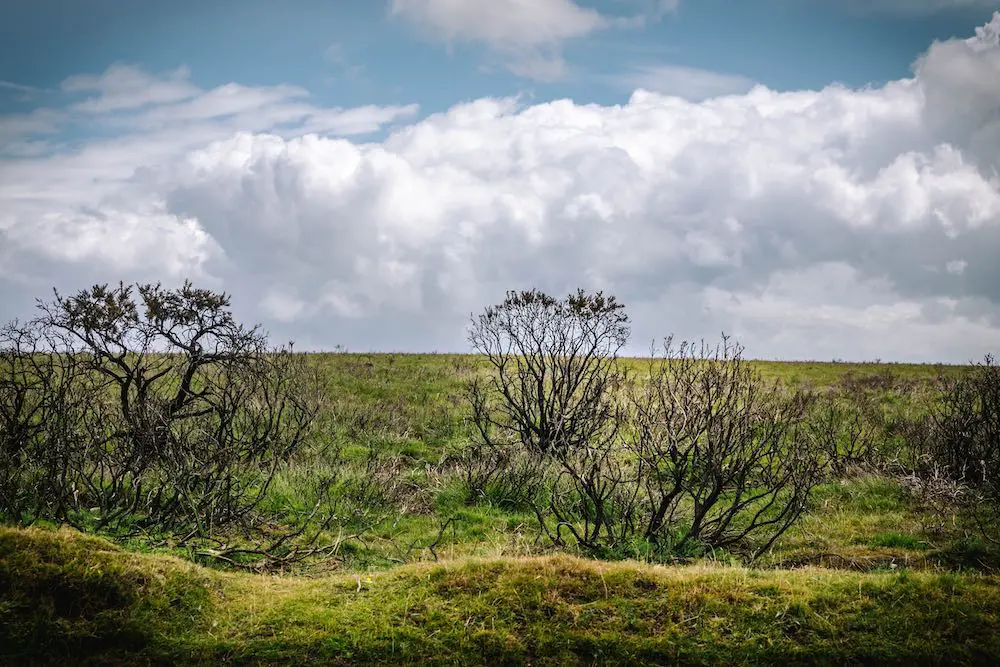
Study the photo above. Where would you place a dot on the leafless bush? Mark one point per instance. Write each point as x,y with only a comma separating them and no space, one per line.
593,496
549,409
937,493
378,489
722,456
503,475
967,428
848,428
704,452
146,409
43,397
371,422
555,370
962,444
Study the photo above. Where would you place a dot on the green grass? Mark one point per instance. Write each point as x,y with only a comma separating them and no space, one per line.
417,403
822,374
66,597
867,575
413,406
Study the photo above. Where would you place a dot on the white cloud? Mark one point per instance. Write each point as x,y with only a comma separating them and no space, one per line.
959,80
282,304
144,102
650,10
17,87
19,91
526,34
17,127
86,212
956,266
809,314
260,108
228,100
812,224
152,133
125,241
690,83
501,23
126,87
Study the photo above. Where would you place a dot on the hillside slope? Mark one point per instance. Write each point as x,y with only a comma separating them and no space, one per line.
65,597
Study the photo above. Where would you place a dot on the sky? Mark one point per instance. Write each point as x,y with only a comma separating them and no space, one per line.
818,178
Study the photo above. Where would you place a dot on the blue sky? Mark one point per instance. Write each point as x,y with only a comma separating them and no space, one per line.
349,52
818,178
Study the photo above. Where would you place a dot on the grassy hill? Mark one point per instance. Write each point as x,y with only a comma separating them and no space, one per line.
72,598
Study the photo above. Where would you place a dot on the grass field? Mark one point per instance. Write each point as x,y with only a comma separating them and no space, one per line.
868,575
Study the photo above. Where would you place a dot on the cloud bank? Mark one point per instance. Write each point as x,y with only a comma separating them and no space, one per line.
812,224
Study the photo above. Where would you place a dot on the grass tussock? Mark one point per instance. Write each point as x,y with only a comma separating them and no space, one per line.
94,602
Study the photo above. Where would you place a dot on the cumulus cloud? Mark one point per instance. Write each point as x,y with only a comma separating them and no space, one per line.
145,133
81,211
811,224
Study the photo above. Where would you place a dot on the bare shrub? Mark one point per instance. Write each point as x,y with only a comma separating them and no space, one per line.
593,497
378,488
962,444
848,428
967,428
704,454
146,409
549,410
882,380
554,363
43,397
504,476
722,457
936,493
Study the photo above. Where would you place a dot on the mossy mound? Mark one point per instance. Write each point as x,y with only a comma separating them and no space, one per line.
69,598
